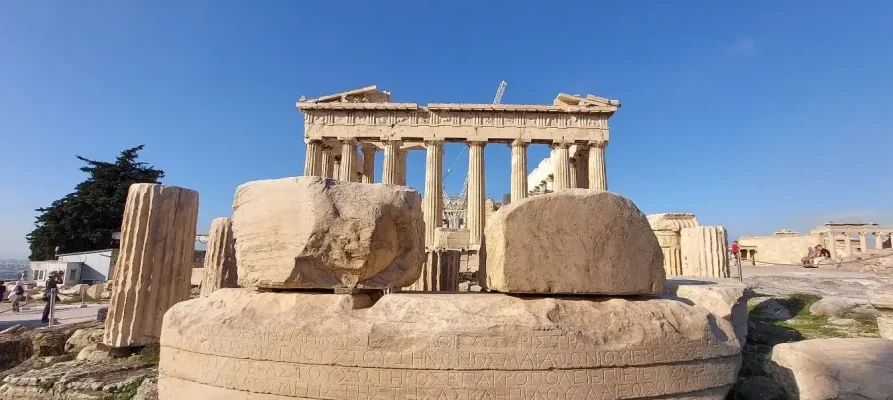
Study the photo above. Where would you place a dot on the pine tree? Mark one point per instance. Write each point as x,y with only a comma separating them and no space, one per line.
85,219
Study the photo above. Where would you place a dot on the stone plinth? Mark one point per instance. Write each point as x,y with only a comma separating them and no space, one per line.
196,276
309,232
820,369
220,258
705,252
667,228
239,343
575,241
440,272
154,263
883,302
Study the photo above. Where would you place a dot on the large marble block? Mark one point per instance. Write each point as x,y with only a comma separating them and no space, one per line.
576,241
311,232
240,343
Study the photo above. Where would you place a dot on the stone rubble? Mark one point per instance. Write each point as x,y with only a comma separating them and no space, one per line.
883,302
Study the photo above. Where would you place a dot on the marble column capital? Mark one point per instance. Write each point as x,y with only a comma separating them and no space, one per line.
598,143
348,141
480,143
435,142
519,143
561,145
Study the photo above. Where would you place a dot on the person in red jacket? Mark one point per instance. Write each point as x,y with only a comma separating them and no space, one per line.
735,248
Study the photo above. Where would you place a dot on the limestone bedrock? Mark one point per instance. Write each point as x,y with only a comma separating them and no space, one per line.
311,232
239,343
576,241
820,369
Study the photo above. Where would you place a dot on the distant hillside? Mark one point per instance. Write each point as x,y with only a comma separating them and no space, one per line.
12,269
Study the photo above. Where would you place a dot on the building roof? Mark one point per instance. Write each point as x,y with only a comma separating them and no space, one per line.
84,252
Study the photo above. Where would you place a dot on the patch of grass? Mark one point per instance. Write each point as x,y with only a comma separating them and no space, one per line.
127,393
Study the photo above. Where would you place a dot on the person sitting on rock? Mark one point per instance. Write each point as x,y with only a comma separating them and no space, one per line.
810,255
822,254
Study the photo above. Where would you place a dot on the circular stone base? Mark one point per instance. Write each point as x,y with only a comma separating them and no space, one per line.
239,343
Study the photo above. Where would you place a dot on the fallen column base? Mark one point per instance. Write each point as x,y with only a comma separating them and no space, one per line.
244,344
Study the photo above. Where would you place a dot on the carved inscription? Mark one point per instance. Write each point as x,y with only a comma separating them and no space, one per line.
444,352
336,382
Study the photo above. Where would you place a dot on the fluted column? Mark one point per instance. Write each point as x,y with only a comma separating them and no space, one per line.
863,242
560,167
313,159
476,192
572,171
705,251
670,244
401,167
328,162
220,258
879,240
154,262
390,170
369,163
519,171
433,188
597,178
848,244
348,158
336,167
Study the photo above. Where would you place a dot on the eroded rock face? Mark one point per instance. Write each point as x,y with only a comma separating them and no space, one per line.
310,232
13,350
883,302
574,241
821,369
328,346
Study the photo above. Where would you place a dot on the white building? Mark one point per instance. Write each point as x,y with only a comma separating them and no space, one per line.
88,267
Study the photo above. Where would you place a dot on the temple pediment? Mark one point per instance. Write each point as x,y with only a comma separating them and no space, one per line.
368,94
575,100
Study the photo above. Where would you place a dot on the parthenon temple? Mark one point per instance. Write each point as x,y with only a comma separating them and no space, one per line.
337,125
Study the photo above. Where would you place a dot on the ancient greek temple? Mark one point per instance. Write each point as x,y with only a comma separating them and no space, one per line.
337,126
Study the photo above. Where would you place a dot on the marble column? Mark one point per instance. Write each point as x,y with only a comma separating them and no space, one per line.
336,167
476,192
705,251
863,242
848,244
879,240
433,189
597,178
313,158
560,167
328,162
519,171
348,160
220,258
154,262
369,163
401,167
572,171
390,170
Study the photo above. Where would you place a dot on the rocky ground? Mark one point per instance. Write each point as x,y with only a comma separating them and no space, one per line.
792,304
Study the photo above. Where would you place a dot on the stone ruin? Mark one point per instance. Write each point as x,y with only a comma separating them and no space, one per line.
572,310
690,249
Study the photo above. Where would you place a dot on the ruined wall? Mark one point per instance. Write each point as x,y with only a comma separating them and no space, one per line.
784,249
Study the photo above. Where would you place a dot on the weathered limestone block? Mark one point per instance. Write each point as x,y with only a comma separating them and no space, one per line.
573,241
705,252
821,369
196,276
309,232
667,227
220,258
440,273
94,292
726,299
883,302
328,346
154,263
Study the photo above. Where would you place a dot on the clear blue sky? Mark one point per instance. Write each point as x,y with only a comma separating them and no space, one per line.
756,117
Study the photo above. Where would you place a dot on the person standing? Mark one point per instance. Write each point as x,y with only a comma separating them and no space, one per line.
2,291
51,290
18,293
